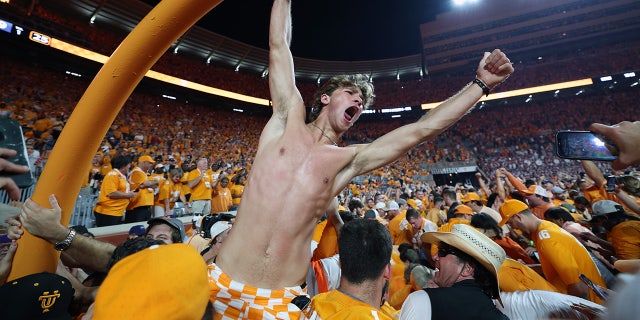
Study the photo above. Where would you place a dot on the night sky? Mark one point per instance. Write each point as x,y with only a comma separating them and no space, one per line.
345,30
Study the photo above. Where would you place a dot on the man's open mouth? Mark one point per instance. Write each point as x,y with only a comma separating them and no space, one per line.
351,112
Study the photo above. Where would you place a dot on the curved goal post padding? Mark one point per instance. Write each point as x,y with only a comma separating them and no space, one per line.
70,159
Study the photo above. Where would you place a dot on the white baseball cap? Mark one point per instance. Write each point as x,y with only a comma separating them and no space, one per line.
219,227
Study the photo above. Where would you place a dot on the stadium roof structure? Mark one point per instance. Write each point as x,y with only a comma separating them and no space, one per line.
525,29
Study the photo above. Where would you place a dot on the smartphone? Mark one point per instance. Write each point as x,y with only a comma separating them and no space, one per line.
584,145
11,137
611,183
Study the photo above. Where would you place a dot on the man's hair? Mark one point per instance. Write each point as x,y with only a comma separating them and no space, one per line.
449,193
558,213
359,81
492,199
484,221
529,182
412,214
347,216
237,177
129,247
355,204
404,247
515,194
365,250
202,159
120,161
582,200
175,172
614,218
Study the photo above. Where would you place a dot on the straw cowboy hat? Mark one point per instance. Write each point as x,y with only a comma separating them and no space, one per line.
472,242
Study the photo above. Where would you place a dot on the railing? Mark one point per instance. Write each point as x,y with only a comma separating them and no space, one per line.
82,211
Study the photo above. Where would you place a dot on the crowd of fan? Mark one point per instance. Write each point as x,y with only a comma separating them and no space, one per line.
160,127
533,71
42,100
514,143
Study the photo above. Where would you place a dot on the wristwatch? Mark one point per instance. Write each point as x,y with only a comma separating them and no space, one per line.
64,244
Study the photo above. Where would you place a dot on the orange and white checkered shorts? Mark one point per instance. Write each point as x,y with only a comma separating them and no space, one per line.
235,300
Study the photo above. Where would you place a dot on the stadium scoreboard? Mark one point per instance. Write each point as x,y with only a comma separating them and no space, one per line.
22,32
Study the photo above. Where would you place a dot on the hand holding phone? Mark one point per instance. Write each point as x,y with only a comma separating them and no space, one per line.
7,183
584,145
14,164
601,292
626,136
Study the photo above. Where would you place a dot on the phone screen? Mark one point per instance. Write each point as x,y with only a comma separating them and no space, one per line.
611,184
583,145
11,137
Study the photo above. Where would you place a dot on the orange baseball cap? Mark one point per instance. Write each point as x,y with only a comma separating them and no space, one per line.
463,209
470,197
146,158
510,208
154,283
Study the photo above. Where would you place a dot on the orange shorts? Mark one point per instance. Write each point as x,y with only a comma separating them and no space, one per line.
234,300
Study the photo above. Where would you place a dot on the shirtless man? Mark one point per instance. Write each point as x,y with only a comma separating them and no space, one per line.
268,246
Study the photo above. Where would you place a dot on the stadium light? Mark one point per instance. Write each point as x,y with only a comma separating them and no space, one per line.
71,73
629,74
463,2
605,78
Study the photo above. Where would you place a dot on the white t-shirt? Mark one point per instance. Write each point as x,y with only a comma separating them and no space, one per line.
416,306
332,273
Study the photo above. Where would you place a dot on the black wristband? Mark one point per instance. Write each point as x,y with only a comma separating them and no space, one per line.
482,86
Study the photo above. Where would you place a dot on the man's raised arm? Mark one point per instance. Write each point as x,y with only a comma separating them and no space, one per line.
284,93
492,70
45,223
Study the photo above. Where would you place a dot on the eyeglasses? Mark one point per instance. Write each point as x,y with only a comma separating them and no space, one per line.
443,252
